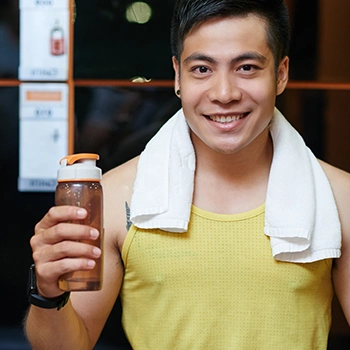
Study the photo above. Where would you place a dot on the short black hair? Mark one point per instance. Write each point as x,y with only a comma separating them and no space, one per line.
189,13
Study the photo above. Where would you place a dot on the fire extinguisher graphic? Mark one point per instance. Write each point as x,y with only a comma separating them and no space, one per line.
57,40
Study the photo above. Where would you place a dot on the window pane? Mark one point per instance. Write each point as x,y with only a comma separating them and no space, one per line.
107,46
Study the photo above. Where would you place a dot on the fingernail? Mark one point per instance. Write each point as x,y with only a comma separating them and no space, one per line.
81,213
96,251
93,233
91,263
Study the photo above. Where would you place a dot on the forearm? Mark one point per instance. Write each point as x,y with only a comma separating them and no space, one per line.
52,329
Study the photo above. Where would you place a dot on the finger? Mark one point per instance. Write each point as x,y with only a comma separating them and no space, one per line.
58,214
67,231
62,232
67,249
47,275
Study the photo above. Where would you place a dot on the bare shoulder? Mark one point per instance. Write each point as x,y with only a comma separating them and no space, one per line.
122,177
340,183
117,190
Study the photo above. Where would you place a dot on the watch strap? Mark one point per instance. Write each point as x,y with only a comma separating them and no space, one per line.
47,303
40,301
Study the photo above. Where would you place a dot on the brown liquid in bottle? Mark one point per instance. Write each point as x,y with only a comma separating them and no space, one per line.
88,195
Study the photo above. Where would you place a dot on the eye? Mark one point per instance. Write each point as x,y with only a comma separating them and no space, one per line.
247,68
201,69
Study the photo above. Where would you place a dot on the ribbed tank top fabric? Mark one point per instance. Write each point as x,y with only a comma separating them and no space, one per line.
217,286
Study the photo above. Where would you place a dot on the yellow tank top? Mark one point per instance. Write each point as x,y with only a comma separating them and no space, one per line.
217,286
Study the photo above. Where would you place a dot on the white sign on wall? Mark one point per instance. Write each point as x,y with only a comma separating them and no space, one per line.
44,4
43,134
44,40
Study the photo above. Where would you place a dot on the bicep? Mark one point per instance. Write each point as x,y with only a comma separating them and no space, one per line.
341,279
340,182
341,268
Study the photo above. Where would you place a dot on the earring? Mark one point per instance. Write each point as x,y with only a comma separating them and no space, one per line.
178,92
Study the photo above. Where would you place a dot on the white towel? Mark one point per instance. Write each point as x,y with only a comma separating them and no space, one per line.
301,216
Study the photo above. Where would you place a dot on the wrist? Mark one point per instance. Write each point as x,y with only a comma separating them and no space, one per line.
47,303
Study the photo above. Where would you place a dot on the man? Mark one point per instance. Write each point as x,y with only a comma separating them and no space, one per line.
218,281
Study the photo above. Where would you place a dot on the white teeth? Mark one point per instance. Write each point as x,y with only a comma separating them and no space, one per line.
229,119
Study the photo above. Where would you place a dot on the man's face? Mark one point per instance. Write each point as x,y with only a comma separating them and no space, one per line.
228,83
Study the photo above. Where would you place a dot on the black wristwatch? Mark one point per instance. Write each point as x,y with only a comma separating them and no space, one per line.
40,301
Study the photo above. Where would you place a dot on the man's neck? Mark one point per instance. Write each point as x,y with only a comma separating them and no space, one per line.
233,183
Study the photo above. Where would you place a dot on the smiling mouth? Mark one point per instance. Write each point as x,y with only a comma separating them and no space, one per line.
226,119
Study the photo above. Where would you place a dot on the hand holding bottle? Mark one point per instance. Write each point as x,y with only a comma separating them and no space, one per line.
67,245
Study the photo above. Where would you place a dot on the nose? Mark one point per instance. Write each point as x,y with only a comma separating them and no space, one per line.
224,89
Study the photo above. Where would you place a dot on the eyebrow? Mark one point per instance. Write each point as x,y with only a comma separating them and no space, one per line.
245,56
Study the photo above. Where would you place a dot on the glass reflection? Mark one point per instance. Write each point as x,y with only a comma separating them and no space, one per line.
117,122
322,118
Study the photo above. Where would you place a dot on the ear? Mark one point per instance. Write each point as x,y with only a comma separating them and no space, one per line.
176,67
282,75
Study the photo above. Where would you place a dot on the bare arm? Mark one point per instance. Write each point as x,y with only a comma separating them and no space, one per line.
56,251
340,182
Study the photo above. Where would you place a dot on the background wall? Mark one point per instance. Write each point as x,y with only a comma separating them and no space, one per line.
115,118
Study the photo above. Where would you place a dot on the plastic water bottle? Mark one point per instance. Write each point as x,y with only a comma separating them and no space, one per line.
79,185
